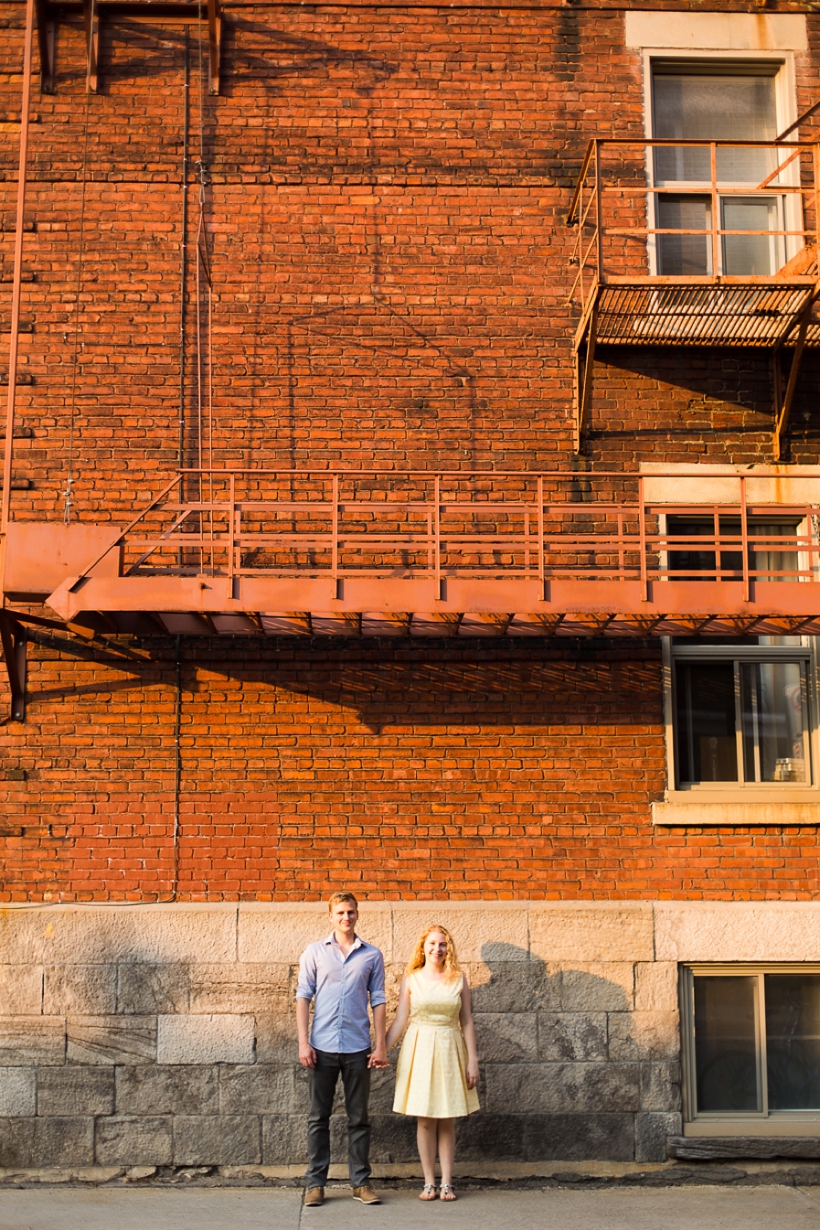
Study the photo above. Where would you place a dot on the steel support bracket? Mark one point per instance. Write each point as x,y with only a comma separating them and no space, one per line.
46,39
13,639
93,12
92,37
783,411
214,46
584,361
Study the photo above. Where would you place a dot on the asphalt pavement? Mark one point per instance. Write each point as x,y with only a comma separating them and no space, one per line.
689,1208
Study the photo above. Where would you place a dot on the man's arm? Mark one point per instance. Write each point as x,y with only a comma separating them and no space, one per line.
378,1057
307,1055
378,1002
305,991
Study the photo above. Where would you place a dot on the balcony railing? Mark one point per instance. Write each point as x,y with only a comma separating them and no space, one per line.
695,243
495,546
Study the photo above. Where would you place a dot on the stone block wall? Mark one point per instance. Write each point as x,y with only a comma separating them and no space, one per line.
164,1035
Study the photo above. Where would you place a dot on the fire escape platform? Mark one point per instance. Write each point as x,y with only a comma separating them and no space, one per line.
385,606
657,552
640,279
697,312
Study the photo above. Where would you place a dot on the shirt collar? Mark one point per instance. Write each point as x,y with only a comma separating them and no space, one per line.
357,943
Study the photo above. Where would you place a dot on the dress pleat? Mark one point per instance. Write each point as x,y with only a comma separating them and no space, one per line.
431,1076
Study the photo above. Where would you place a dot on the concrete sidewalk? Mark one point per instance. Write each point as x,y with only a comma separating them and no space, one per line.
691,1208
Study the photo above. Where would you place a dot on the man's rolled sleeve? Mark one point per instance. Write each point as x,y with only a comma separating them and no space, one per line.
306,985
376,983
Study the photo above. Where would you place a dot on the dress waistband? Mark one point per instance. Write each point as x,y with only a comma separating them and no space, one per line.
432,1024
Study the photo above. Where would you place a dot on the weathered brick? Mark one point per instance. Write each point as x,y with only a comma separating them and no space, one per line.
111,1039
18,1095
65,1141
185,1089
146,1141
225,1140
89,990
223,1038
26,1040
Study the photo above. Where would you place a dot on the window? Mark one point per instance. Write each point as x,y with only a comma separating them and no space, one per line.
751,1045
696,100
741,715
766,561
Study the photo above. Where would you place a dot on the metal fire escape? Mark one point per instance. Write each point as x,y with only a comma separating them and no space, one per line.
466,553
619,284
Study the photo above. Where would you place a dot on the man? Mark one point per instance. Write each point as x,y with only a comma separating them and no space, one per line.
339,974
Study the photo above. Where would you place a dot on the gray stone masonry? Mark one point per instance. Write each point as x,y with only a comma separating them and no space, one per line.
164,1035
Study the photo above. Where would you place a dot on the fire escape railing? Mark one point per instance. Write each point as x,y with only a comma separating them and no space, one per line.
478,525
619,282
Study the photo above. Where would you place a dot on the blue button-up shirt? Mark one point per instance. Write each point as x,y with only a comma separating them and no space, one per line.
339,987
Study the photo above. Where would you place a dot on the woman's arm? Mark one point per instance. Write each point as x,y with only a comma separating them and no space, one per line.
468,1029
402,1014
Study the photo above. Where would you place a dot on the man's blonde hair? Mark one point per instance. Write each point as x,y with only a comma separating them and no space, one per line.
338,898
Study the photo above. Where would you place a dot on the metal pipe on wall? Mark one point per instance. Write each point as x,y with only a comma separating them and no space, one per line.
8,452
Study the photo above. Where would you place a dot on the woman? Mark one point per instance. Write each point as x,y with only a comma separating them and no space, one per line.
438,1063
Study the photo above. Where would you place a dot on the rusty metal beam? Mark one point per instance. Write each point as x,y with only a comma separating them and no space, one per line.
94,12
46,39
13,640
583,378
18,267
214,46
783,412
203,594
801,119
92,38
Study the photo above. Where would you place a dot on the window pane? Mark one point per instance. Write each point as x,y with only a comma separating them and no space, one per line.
725,1044
701,564
714,107
765,561
753,254
687,255
773,720
768,562
793,1041
707,745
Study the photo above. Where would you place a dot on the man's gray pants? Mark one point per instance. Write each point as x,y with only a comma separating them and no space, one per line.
322,1080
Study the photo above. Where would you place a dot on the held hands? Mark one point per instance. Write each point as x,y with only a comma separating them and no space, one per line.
307,1055
378,1058
472,1074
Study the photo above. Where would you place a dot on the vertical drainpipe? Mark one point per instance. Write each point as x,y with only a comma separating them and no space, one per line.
184,253
181,454
18,268
177,764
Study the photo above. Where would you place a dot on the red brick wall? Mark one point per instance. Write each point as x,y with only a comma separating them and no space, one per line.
519,770
386,202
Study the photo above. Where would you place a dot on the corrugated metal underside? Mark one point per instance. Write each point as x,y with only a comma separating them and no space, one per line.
374,624
693,314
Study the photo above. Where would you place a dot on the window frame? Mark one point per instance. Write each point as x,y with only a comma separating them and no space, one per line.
736,791
785,114
737,1123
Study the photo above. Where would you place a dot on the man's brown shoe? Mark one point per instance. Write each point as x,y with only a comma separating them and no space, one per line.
366,1195
314,1197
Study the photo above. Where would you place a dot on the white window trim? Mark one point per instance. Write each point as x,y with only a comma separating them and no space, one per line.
703,799
786,114
734,1123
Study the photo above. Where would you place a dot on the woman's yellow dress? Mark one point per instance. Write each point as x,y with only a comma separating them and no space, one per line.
431,1077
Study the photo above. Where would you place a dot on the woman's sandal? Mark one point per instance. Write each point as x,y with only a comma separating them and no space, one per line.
428,1192
447,1192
